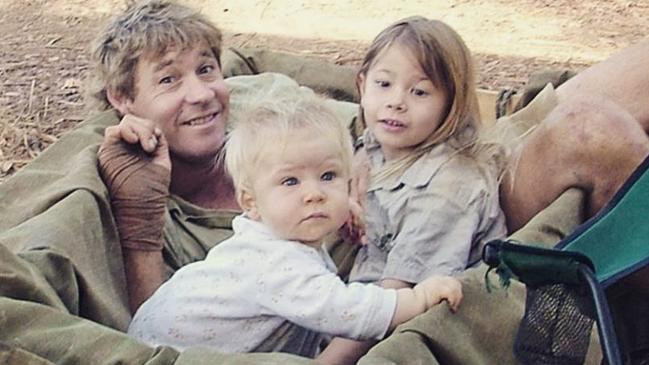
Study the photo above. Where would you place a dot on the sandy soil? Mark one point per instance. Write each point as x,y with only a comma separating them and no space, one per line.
43,61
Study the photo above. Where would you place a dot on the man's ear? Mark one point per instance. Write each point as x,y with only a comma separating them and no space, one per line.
248,203
119,101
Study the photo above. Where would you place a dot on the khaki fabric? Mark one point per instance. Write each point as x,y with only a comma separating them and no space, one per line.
538,81
335,81
524,120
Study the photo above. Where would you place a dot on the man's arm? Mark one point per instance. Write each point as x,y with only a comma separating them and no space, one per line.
134,164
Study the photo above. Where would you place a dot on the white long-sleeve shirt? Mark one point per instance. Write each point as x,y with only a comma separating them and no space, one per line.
251,284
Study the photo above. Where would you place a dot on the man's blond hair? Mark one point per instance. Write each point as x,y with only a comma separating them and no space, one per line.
271,123
146,28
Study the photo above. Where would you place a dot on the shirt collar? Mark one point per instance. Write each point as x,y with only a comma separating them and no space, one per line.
211,218
259,231
417,175
243,224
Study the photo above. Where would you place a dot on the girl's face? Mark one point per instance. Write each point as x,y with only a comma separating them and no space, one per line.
401,105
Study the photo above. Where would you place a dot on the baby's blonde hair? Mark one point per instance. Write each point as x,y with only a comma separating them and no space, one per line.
146,28
446,61
272,122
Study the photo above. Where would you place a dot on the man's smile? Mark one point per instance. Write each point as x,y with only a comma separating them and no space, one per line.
201,120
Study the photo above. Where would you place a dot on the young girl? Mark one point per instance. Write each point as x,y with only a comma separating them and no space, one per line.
433,197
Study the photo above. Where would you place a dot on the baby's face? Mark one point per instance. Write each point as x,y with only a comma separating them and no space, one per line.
301,191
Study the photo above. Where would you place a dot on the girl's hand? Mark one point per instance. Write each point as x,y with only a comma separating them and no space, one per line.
353,231
361,175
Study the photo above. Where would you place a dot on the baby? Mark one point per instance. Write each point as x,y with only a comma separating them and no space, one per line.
272,286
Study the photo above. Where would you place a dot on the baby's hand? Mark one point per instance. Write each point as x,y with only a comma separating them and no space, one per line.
437,288
353,231
143,132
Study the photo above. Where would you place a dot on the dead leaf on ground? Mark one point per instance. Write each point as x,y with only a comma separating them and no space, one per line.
6,166
72,83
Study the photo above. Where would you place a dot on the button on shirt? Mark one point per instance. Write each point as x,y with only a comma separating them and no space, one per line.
432,220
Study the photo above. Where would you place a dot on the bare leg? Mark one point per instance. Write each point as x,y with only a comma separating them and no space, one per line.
342,351
622,78
585,142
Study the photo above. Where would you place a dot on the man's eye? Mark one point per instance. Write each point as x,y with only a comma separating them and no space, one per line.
290,181
328,176
166,80
206,69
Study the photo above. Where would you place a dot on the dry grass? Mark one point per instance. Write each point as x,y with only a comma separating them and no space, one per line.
28,128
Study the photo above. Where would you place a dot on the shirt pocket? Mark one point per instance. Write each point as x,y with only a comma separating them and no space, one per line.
382,236
380,232
385,242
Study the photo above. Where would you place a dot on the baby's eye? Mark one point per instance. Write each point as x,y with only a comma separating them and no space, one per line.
328,176
290,181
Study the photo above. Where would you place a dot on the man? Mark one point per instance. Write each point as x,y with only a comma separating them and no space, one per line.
63,291
61,255
175,76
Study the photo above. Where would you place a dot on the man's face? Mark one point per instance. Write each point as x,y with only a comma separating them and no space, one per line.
184,94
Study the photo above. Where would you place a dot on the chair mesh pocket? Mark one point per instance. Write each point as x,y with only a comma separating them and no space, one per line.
553,331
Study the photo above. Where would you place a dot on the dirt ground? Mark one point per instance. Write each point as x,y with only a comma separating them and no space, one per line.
44,61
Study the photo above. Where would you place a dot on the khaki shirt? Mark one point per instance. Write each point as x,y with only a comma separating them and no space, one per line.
433,220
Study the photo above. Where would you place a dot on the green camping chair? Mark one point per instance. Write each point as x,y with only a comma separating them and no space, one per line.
566,285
